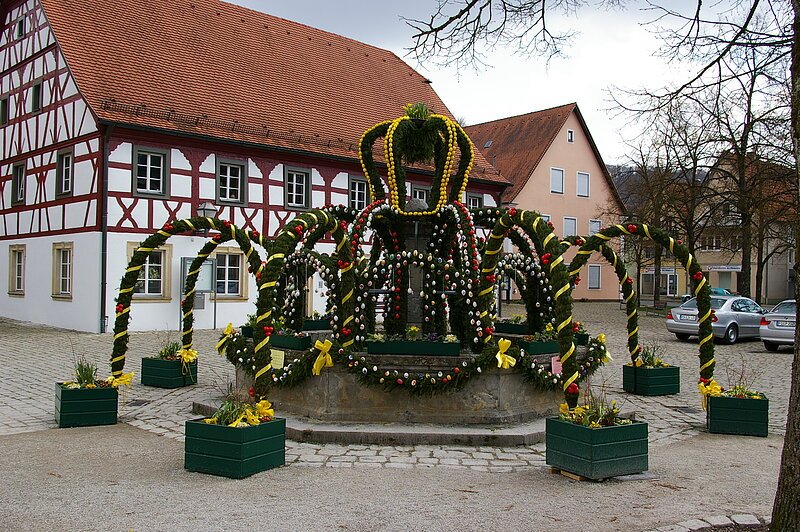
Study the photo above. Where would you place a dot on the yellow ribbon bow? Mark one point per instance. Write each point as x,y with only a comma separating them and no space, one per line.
711,389
264,409
503,360
126,379
187,355
228,332
324,359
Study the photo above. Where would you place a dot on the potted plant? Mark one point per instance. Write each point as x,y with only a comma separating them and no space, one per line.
581,335
514,325
594,442
286,340
541,342
174,367
317,322
649,374
87,400
240,439
738,410
247,328
413,344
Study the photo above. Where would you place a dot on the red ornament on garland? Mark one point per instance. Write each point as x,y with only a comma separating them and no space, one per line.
120,308
697,276
268,330
572,388
298,229
632,228
512,212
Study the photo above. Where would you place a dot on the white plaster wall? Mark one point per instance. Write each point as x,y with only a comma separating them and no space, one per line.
38,306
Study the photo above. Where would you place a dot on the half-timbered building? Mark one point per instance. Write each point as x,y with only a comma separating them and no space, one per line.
119,116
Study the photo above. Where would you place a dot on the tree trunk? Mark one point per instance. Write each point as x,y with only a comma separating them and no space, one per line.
787,498
743,280
657,276
759,265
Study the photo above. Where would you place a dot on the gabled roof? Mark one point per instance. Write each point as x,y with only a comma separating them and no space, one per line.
518,144
209,68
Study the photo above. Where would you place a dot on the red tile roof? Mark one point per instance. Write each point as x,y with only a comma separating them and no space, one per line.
206,67
518,143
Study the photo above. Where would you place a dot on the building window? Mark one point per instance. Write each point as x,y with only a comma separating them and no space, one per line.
570,136
154,275
421,193
18,184
62,270
583,184
20,28
231,182
64,173
570,226
16,269
556,180
545,217
4,111
711,243
475,201
594,226
150,171
36,97
358,194
298,188
594,277
229,274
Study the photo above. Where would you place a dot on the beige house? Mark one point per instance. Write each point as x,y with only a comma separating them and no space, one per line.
556,169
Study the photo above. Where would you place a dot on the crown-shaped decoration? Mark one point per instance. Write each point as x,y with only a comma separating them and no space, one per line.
419,136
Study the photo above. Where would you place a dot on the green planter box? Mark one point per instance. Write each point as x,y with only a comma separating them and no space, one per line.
247,331
83,407
232,451
735,415
596,453
316,325
651,381
581,338
539,348
410,347
168,373
286,341
510,328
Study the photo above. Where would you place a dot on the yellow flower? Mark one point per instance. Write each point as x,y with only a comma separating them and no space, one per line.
91,385
601,338
564,408
264,409
638,362
549,327
210,420
252,418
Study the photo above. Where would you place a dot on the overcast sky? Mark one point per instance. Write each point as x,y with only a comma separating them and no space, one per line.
612,49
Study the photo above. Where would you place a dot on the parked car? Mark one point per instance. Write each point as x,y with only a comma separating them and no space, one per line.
733,317
777,325
715,291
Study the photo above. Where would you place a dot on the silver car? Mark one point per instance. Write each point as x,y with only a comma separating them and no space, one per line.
734,317
777,325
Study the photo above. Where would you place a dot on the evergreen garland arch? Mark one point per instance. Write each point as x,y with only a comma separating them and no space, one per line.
700,287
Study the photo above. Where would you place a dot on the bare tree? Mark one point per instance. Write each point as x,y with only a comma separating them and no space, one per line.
459,29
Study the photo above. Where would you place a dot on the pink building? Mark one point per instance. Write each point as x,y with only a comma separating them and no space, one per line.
555,168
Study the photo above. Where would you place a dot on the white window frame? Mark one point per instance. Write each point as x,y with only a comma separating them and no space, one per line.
358,193
545,217
599,224
564,227
63,270
18,177
65,172
570,136
578,184
552,171
224,255
291,181
224,167
149,165
16,270
417,190
166,274
598,269
478,198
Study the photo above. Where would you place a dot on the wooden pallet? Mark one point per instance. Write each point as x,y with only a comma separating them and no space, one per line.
571,476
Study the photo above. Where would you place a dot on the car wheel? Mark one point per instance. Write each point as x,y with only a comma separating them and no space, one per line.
731,334
682,336
771,346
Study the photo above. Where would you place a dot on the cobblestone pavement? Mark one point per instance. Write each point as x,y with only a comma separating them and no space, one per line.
33,358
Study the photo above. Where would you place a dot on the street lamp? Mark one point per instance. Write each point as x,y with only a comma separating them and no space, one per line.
206,210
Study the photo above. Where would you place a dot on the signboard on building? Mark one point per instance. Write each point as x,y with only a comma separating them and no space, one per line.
724,268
